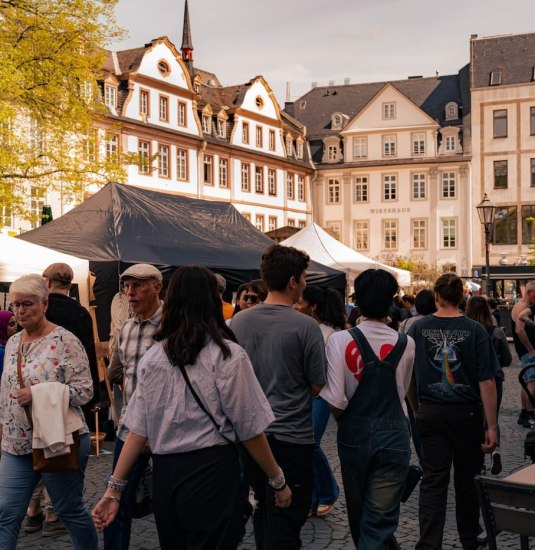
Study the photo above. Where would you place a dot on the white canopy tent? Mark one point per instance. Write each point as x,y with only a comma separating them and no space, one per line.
20,257
323,248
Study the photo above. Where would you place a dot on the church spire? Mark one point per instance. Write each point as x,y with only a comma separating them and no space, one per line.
187,45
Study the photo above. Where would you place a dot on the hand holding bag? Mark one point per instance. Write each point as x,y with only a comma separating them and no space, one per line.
53,464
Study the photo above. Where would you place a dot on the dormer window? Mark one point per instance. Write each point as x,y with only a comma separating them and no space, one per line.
163,67
197,87
289,146
206,123
337,121
452,111
299,150
221,128
496,77
110,96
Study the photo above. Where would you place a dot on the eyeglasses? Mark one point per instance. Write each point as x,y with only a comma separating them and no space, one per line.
18,305
253,298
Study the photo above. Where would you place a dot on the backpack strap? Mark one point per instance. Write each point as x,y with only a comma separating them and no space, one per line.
367,353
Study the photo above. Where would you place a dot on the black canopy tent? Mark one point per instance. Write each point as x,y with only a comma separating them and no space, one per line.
121,225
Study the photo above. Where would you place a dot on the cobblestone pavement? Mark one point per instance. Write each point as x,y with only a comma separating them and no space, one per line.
330,532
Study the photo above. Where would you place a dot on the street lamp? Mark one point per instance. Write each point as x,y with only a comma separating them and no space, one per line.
485,211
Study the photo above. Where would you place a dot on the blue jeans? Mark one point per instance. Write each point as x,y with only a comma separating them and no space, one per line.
374,469
526,359
17,482
117,534
326,489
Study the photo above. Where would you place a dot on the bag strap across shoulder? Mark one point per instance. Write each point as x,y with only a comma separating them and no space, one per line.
21,381
367,353
201,404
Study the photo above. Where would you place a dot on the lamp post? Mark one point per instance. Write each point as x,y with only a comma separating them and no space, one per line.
485,211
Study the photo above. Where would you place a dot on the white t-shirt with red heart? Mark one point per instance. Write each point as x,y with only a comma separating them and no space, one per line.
345,364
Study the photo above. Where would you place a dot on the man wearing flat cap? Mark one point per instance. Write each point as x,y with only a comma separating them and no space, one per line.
141,284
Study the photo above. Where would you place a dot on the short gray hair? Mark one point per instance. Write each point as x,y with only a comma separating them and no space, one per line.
221,283
32,285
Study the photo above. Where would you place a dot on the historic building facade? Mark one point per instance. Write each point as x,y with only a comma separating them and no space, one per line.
392,177
502,82
194,137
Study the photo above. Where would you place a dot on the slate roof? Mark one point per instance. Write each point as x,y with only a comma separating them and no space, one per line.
314,109
514,54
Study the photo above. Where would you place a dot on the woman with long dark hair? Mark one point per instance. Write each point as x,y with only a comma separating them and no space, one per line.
327,307
477,308
196,394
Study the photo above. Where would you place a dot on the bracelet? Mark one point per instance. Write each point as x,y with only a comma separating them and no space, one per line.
281,488
110,497
116,484
277,482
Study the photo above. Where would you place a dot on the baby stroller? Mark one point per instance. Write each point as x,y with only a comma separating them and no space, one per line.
529,442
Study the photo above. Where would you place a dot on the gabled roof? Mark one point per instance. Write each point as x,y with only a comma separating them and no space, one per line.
314,109
513,54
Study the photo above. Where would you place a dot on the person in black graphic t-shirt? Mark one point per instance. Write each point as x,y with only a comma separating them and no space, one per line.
455,389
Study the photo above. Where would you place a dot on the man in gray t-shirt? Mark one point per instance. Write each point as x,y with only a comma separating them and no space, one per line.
287,352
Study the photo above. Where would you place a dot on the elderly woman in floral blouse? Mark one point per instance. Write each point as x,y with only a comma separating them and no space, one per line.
49,353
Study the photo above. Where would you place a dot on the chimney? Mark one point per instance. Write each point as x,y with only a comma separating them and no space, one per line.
347,80
314,84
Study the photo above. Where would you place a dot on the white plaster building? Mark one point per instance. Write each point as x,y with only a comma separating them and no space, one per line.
195,137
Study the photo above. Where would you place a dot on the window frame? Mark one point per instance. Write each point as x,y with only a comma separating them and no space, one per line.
446,240
163,100
418,144
361,187
417,179
206,123
144,105
366,232
259,134
360,143
167,164
259,179
144,169
210,173
245,133
448,181
416,234
112,147
389,110
390,187
290,186
334,191
497,132
395,228
389,146
245,177
222,170
261,218
300,188
500,180
110,96
272,182
182,118
272,140
182,163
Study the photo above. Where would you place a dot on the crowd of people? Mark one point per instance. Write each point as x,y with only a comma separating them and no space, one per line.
225,399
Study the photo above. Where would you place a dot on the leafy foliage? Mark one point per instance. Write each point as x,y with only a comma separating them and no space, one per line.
51,57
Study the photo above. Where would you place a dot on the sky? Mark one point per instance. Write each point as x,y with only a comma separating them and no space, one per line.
305,41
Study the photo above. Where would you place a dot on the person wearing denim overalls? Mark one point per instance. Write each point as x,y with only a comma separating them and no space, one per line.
369,372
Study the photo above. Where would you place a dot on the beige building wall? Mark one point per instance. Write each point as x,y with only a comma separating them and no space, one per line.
517,148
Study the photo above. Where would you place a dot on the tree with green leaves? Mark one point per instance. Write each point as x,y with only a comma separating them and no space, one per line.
51,58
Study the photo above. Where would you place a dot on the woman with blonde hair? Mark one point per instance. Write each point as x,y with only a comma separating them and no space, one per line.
41,354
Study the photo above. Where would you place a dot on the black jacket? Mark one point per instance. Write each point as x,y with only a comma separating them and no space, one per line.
70,315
